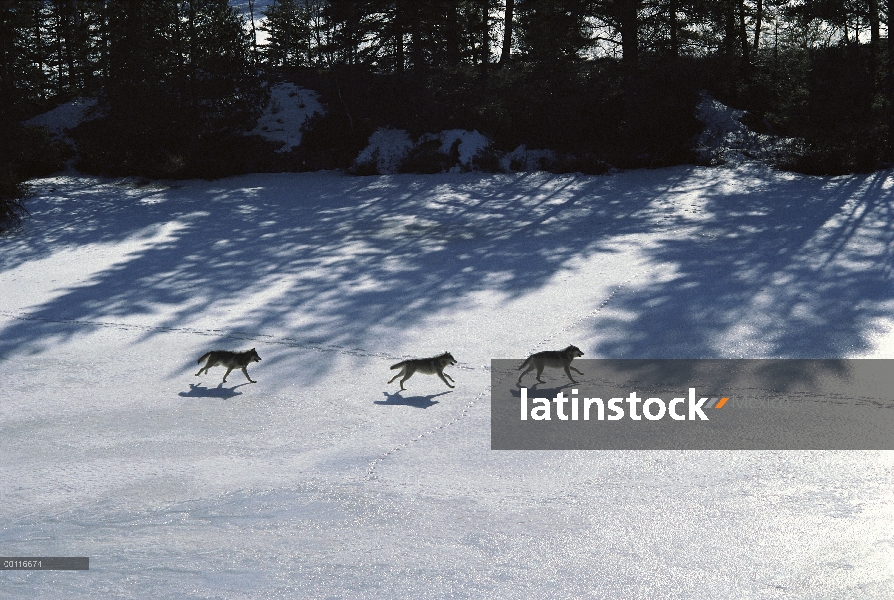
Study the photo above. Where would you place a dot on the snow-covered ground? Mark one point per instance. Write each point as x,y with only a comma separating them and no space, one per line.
322,481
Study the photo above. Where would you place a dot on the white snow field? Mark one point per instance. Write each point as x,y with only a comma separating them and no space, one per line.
322,481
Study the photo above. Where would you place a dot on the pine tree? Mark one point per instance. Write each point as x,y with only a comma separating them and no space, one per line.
552,30
287,23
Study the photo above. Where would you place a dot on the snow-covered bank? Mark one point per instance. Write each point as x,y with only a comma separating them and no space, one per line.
289,109
320,480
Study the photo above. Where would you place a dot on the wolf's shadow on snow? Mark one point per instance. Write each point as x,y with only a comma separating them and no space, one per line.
548,391
396,399
200,391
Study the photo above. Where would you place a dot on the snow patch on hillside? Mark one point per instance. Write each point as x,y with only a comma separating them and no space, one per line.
64,117
726,140
290,107
465,144
387,148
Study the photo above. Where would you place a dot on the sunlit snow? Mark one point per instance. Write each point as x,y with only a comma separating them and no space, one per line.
323,481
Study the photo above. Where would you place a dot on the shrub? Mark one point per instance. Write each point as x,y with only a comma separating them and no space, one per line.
12,205
331,141
25,152
427,158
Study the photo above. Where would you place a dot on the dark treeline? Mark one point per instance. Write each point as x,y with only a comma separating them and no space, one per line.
601,82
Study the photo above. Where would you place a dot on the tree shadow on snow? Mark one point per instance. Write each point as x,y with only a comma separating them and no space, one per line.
787,266
396,399
799,268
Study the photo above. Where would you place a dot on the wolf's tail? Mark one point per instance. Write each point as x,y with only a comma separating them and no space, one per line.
524,364
204,356
399,365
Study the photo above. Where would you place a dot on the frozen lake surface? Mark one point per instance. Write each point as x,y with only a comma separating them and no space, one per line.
322,481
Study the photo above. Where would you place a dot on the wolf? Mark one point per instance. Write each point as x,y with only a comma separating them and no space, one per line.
430,366
552,358
230,360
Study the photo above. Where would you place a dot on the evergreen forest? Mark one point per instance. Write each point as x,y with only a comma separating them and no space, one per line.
602,83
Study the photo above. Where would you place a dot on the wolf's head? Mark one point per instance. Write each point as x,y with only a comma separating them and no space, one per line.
253,355
447,358
573,351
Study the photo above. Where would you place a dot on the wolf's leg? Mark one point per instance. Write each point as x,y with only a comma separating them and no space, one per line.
441,375
245,372
539,373
575,370
227,373
567,372
399,373
204,367
409,373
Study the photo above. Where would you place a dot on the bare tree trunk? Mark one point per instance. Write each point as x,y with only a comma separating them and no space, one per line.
318,35
7,57
66,43
193,34
485,37
890,78
507,32
675,43
875,35
289,37
415,38
254,35
83,38
351,34
105,42
178,44
758,17
399,59
628,16
891,43
308,11
60,79
452,34
729,30
38,45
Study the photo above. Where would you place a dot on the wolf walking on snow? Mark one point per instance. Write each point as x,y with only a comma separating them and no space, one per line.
430,366
554,359
230,360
